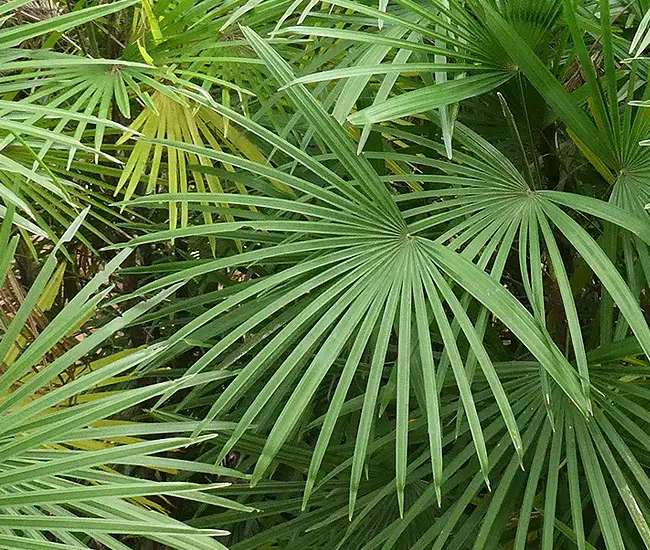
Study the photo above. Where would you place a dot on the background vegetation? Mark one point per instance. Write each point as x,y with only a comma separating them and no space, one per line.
301,274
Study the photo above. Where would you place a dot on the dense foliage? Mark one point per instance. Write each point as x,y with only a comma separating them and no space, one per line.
346,274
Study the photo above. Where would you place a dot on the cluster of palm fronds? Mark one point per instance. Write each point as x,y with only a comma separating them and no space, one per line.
345,274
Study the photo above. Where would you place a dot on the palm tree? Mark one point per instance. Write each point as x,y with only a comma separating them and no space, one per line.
363,291
395,253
